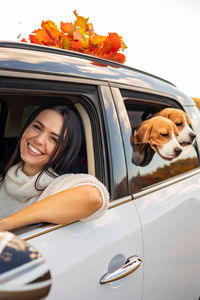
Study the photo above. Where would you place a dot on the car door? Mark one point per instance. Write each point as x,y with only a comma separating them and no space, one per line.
80,254
166,195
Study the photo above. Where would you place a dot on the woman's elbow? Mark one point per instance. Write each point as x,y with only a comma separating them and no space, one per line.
94,198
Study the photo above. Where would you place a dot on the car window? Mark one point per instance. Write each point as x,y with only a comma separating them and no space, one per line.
22,95
146,167
13,129
15,118
26,112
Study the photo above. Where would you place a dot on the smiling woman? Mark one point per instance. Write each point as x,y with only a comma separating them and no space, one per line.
49,143
39,140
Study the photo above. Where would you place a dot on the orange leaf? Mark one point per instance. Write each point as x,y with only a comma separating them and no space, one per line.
67,27
76,35
120,58
49,34
33,40
92,50
111,44
76,44
117,57
97,39
42,36
53,31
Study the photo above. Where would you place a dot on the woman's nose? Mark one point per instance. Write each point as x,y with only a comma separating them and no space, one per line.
40,138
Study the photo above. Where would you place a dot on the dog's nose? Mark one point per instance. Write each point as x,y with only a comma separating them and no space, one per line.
177,151
192,135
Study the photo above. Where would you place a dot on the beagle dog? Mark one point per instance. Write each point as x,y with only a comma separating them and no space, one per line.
181,120
161,134
142,153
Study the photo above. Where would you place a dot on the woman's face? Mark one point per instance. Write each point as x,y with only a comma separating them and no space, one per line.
39,140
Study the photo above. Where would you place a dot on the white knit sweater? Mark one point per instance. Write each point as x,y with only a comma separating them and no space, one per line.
18,190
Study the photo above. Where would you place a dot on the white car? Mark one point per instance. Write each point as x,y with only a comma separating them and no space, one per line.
147,245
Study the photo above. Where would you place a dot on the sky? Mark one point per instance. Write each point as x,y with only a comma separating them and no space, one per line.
162,36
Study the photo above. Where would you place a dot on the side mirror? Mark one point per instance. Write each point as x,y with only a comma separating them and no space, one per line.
24,273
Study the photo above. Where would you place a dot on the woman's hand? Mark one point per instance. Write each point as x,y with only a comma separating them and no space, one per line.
64,207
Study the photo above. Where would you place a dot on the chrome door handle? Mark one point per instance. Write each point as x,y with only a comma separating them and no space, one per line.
132,264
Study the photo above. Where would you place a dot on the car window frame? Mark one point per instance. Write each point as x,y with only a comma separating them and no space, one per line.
88,93
90,100
124,119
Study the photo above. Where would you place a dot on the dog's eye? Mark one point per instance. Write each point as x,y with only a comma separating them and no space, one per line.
165,134
179,124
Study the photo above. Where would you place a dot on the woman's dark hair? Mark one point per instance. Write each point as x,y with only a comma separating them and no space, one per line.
67,147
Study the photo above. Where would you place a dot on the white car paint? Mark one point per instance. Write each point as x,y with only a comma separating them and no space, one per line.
78,255
170,219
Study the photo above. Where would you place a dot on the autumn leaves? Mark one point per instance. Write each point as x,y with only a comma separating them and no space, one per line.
79,36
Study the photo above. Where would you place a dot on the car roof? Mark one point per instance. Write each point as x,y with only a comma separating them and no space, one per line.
49,60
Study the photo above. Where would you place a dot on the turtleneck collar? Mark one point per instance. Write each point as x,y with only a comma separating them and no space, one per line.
21,186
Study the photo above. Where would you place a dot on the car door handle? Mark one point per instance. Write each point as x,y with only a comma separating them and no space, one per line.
132,264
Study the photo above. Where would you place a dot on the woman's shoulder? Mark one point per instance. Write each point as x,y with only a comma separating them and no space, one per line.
66,181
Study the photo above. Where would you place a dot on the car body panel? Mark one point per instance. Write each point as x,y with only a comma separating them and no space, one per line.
169,214
79,254
170,222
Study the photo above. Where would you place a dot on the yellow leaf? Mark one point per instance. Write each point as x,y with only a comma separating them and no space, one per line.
65,42
81,23
67,27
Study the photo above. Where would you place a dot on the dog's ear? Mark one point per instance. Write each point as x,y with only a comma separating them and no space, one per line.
175,128
164,113
132,137
142,134
187,118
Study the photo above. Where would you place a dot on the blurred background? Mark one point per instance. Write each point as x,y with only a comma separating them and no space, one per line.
162,36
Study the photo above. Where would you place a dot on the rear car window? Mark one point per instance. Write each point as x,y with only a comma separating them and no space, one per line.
155,169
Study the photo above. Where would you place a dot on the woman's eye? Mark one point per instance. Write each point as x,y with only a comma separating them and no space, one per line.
179,124
165,134
36,126
54,139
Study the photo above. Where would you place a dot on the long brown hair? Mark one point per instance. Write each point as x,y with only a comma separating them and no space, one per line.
67,147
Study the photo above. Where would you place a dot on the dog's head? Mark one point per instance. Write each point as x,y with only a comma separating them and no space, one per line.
161,133
182,121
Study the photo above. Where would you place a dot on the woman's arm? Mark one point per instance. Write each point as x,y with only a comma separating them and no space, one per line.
63,207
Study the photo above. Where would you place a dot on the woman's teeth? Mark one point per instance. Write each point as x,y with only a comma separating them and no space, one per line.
33,149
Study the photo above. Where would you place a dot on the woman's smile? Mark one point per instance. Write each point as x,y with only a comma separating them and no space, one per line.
33,150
